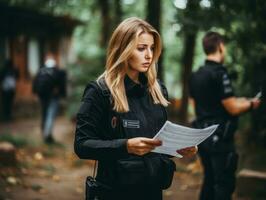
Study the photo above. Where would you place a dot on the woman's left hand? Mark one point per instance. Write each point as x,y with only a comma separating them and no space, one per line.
189,151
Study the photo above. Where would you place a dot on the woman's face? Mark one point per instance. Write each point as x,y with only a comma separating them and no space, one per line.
142,56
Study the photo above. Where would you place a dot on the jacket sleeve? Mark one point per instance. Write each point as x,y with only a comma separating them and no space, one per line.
89,142
224,85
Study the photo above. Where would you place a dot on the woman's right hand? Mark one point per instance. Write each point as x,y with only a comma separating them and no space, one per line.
142,145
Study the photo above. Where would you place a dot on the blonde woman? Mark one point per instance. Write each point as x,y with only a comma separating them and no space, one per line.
121,112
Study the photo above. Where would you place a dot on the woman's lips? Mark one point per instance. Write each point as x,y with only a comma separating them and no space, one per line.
146,64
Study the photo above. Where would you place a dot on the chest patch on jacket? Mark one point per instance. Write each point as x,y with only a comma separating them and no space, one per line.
131,123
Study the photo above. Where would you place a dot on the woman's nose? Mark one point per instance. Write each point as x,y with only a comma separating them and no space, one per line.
148,54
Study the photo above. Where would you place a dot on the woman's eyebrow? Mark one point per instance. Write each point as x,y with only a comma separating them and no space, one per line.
142,44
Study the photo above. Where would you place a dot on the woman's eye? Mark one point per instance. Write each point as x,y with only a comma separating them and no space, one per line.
141,48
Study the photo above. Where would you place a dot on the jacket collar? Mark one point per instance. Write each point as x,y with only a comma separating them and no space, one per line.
132,87
215,65
211,62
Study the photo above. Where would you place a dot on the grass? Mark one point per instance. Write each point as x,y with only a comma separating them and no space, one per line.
16,140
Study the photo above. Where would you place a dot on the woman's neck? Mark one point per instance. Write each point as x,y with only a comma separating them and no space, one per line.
134,76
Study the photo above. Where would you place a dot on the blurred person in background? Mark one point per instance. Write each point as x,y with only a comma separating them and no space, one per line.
49,85
216,103
8,79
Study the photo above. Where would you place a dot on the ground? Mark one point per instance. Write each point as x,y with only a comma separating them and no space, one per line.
54,172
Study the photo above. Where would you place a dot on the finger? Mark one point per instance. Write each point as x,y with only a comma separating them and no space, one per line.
147,147
142,151
193,149
153,142
181,151
188,151
188,148
142,145
184,153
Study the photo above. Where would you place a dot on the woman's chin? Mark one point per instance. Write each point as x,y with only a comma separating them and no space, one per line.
144,69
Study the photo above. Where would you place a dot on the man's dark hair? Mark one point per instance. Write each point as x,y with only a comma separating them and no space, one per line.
211,41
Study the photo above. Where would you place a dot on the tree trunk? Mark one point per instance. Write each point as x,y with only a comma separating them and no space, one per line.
105,32
187,62
154,18
190,30
258,118
118,12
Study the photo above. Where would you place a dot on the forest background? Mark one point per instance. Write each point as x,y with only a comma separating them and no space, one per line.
182,24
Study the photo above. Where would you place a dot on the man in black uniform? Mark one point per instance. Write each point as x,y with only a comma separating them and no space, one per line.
215,103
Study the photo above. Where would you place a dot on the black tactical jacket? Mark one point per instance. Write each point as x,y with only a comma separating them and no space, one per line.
101,134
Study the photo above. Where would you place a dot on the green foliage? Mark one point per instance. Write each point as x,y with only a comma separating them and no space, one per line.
242,22
134,8
86,70
172,47
246,35
16,140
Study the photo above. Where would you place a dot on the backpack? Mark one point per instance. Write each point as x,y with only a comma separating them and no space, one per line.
9,83
44,82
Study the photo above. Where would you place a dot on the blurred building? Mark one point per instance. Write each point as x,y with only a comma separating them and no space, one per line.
26,36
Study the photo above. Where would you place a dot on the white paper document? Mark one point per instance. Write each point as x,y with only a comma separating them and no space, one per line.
175,137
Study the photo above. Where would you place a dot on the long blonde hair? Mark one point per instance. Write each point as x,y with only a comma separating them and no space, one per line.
120,48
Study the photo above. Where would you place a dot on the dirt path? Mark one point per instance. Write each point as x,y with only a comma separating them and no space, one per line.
55,173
